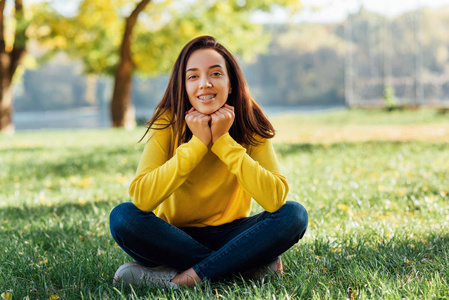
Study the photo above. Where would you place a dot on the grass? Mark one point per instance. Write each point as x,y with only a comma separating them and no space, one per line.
378,211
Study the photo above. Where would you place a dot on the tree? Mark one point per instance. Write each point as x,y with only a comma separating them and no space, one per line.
148,47
11,55
121,97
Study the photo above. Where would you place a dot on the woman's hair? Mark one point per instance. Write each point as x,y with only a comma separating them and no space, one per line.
249,117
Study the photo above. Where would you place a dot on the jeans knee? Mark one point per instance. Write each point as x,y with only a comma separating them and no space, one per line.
297,216
119,219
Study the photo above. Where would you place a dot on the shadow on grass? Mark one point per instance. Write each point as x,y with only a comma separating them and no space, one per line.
35,212
20,150
286,149
362,261
73,161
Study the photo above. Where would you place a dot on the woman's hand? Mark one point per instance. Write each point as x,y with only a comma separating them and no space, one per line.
222,121
199,125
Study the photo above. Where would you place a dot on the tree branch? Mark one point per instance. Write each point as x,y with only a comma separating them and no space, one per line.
129,26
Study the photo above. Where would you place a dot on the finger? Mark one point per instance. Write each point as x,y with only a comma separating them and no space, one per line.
218,113
190,110
221,116
196,114
226,113
200,117
204,118
215,117
229,113
229,106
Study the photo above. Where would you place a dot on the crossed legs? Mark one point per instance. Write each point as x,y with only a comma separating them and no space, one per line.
207,252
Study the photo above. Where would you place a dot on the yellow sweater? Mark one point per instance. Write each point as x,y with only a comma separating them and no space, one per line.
195,186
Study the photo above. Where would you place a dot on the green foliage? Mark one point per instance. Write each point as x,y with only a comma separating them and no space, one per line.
378,215
22,24
303,63
390,100
95,32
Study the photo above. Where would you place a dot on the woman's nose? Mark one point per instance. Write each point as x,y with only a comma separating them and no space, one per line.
205,83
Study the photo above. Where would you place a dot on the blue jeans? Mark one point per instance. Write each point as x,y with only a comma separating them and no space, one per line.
214,251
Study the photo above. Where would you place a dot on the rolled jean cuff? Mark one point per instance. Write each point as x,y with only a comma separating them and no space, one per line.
198,272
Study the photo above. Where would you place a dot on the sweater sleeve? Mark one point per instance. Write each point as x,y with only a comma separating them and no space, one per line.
257,173
158,175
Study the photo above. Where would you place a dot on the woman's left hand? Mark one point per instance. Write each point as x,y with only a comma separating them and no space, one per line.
222,121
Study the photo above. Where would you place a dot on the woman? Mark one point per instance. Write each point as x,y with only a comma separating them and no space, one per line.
209,152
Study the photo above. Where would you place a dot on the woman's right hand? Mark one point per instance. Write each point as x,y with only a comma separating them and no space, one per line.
199,125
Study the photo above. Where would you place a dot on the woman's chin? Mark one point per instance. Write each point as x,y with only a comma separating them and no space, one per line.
207,110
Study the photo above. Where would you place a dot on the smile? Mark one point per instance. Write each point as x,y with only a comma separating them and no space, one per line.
207,98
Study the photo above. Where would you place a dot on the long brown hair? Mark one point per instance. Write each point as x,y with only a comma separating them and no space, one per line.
249,117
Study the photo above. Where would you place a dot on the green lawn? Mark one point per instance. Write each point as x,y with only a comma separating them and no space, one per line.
378,211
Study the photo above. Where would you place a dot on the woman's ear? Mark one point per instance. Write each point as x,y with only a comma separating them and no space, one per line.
230,90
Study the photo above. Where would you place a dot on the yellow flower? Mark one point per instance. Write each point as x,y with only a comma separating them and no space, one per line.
85,182
7,295
343,207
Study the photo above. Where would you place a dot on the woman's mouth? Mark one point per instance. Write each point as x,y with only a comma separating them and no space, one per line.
206,98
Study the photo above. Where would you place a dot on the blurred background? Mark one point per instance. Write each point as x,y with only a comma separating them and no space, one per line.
105,63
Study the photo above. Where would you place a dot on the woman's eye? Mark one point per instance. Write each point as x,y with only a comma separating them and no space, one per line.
191,77
216,73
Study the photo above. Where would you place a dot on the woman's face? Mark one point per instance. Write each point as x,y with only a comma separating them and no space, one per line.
207,81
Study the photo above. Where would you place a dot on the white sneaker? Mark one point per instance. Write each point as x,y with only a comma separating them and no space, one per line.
135,274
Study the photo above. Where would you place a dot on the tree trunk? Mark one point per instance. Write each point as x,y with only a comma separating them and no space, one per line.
6,124
5,86
9,61
122,112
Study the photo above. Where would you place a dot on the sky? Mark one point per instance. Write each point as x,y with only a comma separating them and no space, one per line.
331,11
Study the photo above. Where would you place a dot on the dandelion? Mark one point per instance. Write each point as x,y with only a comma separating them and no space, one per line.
401,193
408,261
85,182
121,179
343,207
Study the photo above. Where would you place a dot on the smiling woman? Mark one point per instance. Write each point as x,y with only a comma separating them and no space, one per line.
207,81
249,119
209,153
208,87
